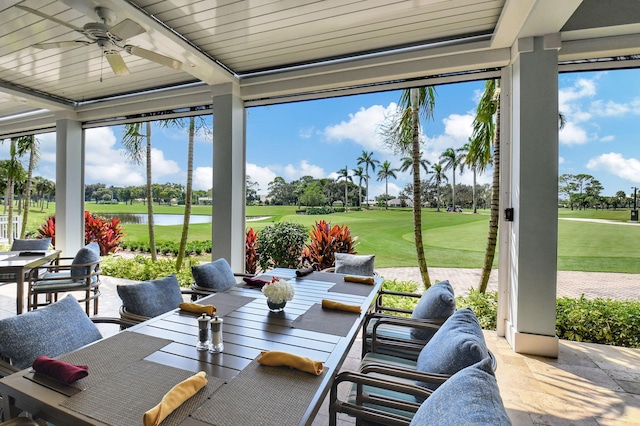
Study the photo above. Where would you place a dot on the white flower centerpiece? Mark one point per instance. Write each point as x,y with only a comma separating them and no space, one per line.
278,293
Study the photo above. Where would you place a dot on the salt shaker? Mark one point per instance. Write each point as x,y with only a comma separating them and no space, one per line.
216,344
203,333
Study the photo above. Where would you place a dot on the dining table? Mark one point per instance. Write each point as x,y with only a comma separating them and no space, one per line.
19,263
131,371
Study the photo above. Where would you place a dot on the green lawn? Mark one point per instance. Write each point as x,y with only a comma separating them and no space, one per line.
451,240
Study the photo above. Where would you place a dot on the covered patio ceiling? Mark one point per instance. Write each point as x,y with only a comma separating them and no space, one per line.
273,51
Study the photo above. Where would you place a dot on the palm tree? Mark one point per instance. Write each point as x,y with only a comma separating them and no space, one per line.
14,171
407,163
486,133
360,174
31,145
437,178
367,159
188,199
132,141
344,174
452,159
386,172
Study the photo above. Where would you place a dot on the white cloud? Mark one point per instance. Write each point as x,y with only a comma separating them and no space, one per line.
306,133
583,88
614,163
571,134
609,138
292,172
362,127
162,167
609,108
203,178
262,175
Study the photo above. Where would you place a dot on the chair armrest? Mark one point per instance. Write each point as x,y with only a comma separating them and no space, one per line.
373,414
404,373
414,345
108,320
7,369
380,306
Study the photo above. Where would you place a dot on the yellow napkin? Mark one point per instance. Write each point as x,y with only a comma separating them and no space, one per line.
285,359
198,309
361,280
174,398
330,304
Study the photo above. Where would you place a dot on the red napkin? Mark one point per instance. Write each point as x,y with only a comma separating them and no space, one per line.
255,282
303,272
60,370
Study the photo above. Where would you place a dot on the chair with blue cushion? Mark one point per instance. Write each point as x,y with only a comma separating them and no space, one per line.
149,299
403,332
53,330
35,244
79,273
457,344
214,277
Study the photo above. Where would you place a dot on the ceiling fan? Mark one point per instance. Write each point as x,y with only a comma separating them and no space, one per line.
111,39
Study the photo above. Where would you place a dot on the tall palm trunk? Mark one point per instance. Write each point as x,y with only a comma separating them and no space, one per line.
152,235
417,205
492,239
475,208
188,196
27,189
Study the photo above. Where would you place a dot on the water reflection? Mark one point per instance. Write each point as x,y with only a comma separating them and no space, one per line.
158,219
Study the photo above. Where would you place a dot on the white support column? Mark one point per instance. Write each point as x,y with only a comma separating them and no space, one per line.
69,186
229,159
534,195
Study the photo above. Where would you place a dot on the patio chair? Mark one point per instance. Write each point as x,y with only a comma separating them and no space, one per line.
388,384
53,330
79,273
403,332
213,277
35,244
149,299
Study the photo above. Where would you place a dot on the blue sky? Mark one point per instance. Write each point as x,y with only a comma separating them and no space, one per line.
318,138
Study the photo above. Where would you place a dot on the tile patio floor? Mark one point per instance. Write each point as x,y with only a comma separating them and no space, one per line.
588,384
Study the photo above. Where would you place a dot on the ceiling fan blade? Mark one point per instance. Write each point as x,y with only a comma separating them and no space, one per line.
117,63
126,29
59,44
155,57
51,18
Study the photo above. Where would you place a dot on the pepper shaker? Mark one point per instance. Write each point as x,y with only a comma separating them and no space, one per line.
203,333
216,344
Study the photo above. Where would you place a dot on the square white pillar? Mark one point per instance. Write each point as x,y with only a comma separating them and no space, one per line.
229,181
69,186
534,195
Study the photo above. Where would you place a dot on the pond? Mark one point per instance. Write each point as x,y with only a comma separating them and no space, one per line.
158,219
164,219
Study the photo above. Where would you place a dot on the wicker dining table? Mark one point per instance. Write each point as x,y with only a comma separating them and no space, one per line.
132,370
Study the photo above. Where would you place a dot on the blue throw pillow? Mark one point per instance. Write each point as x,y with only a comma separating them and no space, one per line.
87,254
354,264
459,343
216,275
151,298
54,330
437,303
470,397
31,244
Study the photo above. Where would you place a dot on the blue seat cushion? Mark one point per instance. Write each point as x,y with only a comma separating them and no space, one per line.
54,330
87,254
151,298
470,397
459,343
31,244
51,281
216,275
355,264
437,303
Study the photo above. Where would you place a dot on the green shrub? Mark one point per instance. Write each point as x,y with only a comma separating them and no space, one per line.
321,210
141,268
605,321
484,305
281,245
400,302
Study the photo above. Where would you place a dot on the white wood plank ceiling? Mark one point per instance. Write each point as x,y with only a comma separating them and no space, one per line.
271,48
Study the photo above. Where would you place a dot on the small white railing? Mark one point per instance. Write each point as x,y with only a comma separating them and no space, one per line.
4,228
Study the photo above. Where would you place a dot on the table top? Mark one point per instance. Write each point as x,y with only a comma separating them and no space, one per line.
26,259
240,391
